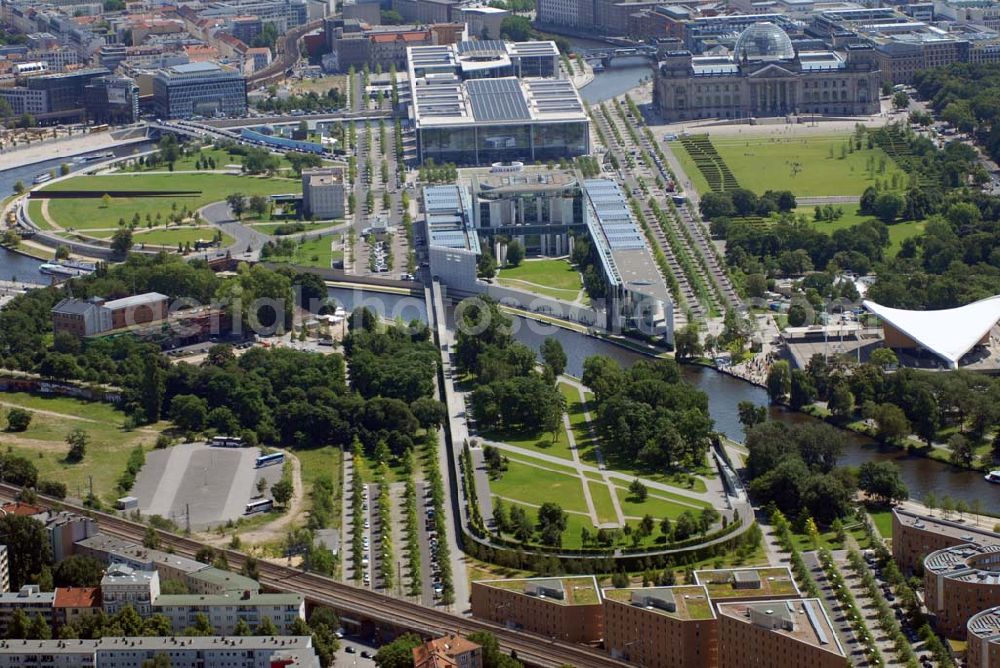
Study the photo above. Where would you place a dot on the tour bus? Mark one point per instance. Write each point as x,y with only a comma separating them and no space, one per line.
268,460
226,442
259,506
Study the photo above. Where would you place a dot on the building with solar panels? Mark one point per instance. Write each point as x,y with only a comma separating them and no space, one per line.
544,212
476,103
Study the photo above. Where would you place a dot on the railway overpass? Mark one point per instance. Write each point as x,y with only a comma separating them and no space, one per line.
355,603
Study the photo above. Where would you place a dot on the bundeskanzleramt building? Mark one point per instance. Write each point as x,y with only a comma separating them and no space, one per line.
542,210
567,609
476,103
766,76
199,89
794,633
661,627
323,193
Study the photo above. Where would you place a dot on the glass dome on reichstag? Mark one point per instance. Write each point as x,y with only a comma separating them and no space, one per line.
764,41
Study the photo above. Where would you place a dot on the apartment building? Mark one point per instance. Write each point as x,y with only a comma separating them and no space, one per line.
4,570
123,585
959,582
661,627
984,639
225,611
30,600
794,633
72,603
450,651
183,652
915,535
568,608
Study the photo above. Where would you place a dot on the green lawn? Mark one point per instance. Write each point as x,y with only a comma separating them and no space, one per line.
35,213
883,521
324,461
603,503
314,253
536,486
175,235
83,214
802,165
551,278
44,442
897,231
655,505
534,440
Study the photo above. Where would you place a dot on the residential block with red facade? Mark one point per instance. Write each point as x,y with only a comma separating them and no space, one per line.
960,582
661,627
984,639
794,633
567,609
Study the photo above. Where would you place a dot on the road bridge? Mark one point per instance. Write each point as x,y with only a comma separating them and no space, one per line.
608,54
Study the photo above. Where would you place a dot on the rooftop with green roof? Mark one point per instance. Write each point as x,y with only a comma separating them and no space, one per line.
682,602
564,591
723,583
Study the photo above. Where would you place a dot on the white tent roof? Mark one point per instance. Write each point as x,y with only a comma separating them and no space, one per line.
949,333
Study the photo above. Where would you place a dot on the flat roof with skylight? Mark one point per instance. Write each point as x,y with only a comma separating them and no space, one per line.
802,620
684,602
581,590
746,583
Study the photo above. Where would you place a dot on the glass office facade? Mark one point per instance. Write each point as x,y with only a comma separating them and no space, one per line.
484,144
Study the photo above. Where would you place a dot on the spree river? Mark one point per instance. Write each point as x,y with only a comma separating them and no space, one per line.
19,266
920,474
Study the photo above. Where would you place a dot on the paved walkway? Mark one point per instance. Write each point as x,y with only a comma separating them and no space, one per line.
615,501
587,497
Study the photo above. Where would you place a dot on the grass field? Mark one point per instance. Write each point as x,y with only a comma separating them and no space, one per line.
897,232
35,213
317,462
534,440
550,278
603,503
802,165
314,253
83,214
44,442
883,521
654,505
534,485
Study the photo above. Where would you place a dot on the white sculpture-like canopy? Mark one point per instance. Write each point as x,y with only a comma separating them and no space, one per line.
948,333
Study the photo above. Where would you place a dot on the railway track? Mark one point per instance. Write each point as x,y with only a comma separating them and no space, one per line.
319,590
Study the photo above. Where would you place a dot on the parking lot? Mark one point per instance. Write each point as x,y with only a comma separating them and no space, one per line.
213,484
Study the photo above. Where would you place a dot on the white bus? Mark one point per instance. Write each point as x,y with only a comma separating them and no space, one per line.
259,506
